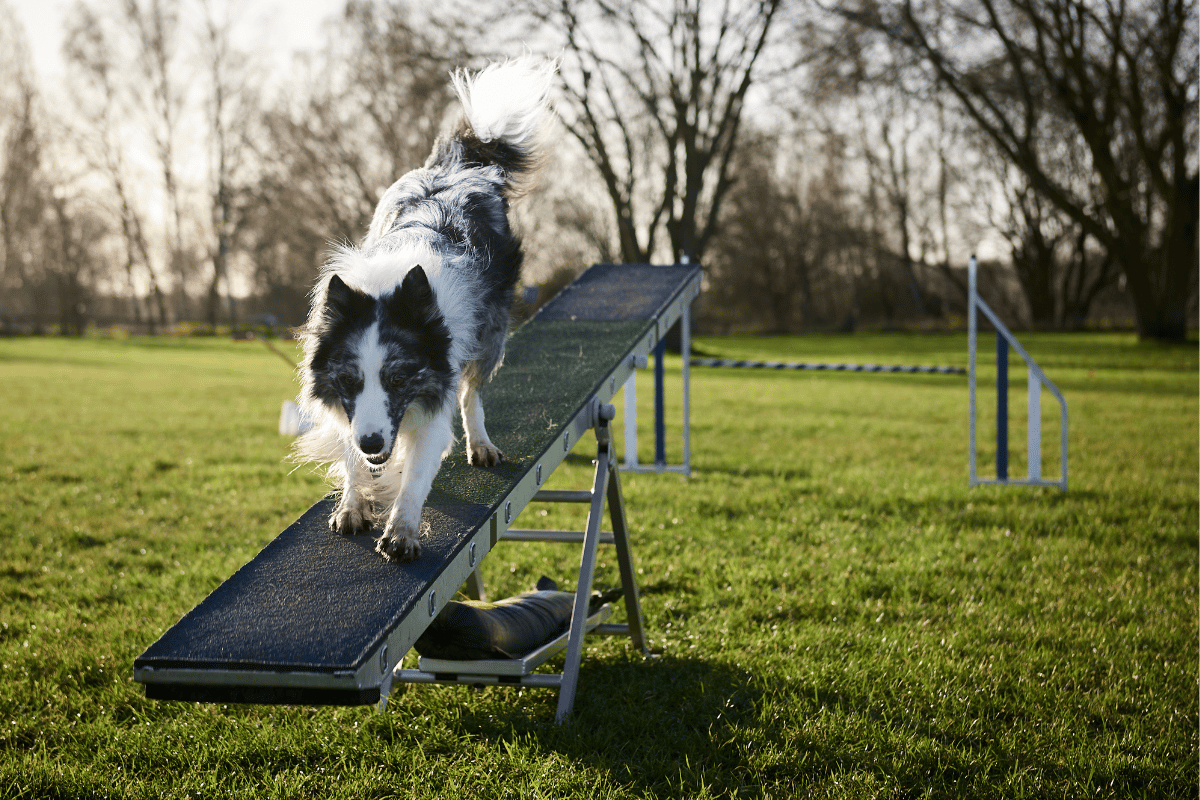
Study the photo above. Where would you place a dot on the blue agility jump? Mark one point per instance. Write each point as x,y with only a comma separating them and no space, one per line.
1037,379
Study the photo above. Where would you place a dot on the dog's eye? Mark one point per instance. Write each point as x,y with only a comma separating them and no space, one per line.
349,384
395,382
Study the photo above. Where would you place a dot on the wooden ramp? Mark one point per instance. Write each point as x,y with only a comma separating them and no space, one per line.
318,618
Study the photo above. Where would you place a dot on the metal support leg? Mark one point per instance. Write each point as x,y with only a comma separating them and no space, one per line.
631,435
606,489
972,343
660,430
685,340
633,603
474,585
1034,434
587,573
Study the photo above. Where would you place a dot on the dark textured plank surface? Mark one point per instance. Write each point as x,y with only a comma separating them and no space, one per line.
311,600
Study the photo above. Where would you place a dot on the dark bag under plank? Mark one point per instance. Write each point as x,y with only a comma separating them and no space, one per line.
472,630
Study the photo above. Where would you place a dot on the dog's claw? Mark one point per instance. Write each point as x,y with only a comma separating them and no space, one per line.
399,542
349,520
484,455
398,547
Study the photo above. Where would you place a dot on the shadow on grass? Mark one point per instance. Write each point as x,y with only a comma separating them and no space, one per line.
662,724
686,727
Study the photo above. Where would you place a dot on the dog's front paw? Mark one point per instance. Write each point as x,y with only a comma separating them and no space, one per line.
350,518
484,455
398,543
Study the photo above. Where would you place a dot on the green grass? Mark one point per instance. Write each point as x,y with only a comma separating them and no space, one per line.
834,612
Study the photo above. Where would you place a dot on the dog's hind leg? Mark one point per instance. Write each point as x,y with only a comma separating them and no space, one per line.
352,514
480,450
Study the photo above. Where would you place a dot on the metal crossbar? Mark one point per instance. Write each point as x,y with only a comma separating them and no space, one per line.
1036,380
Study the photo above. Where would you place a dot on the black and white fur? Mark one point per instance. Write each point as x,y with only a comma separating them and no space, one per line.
414,320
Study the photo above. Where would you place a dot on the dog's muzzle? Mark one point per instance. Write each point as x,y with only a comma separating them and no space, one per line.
372,447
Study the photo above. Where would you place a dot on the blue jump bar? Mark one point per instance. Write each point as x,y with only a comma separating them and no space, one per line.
730,362
1001,406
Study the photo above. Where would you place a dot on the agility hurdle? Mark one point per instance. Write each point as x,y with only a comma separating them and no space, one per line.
1036,378
817,367
318,618
631,463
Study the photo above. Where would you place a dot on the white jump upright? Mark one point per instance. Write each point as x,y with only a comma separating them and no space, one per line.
1036,378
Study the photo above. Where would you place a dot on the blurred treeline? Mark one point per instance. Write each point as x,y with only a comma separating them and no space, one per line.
832,165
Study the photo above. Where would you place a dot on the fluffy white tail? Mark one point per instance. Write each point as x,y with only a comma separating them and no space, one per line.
506,101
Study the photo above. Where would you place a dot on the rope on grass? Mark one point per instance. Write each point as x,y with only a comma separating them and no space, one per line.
728,362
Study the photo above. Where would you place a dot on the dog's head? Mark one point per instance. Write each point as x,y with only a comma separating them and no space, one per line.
377,358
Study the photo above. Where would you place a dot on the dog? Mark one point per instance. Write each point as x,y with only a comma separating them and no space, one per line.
413,321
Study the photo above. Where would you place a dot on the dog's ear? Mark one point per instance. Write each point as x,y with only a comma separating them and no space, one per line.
344,302
414,301
338,296
414,306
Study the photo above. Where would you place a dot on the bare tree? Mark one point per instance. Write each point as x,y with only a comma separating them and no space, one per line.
1060,271
895,182
398,62
102,106
565,224
1123,75
785,238
230,109
368,109
72,235
47,269
655,93
22,194
905,156
154,25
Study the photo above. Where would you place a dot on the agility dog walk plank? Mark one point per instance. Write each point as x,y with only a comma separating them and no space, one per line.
319,618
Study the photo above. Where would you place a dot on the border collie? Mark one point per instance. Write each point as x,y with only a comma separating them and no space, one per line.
415,318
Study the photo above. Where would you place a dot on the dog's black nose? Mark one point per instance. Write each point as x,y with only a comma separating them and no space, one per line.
371,445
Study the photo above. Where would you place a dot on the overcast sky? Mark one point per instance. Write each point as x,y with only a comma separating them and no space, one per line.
278,27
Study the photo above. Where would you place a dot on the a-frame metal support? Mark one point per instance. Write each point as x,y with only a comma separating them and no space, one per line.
606,490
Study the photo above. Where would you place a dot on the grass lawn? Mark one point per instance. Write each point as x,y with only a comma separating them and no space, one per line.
834,612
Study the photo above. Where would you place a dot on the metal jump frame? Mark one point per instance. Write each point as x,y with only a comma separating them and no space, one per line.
660,464
1037,379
